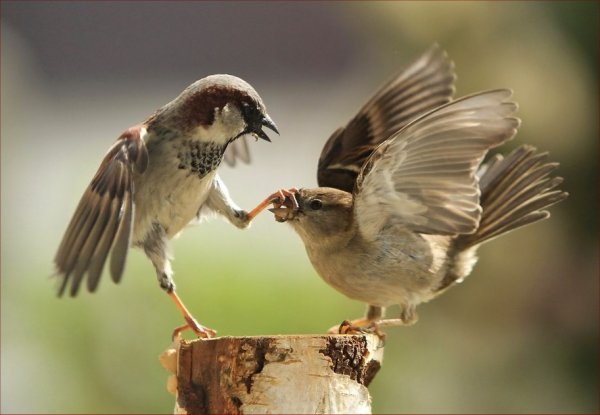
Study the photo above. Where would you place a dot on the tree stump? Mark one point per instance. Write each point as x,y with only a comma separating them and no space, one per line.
274,374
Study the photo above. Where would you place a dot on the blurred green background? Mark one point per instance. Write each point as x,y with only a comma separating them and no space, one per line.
519,336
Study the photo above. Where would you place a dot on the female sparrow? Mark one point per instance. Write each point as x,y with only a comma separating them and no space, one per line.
400,214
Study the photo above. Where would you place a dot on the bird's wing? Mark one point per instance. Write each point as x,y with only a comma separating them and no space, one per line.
515,191
237,150
426,84
424,177
103,220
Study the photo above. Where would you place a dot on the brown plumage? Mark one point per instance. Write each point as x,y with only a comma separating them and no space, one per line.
102,222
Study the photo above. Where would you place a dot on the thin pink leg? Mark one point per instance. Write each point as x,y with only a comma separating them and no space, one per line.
276,198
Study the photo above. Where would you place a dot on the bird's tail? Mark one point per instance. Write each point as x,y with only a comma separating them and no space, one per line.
515,190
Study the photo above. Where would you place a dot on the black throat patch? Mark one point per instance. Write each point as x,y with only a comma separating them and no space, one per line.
199,158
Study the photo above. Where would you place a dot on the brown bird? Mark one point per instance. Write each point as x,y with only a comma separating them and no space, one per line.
400,214
157,178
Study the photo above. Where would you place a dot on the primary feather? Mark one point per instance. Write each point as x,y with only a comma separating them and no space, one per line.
424,85
424,177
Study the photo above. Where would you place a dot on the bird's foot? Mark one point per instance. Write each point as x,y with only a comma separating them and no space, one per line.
285,197
360,326
286,206
191,322
200,330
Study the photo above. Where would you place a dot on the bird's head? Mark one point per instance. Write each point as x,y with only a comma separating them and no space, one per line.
318,215
217,108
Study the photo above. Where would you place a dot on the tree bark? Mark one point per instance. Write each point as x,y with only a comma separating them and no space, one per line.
275,374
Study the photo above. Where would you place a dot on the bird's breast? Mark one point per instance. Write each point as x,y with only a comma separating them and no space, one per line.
198,157
175,186
395,269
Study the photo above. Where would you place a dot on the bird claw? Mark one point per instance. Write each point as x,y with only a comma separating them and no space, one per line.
282,196
285,204
358,327
191,322
200,330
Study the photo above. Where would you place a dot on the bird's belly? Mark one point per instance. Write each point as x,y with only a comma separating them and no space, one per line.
399,277
173,204
402,286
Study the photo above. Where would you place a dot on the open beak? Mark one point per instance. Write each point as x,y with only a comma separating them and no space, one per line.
266,121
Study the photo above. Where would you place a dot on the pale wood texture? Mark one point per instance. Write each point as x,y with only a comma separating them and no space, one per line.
274,374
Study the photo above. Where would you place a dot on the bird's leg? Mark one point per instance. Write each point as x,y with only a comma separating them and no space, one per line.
278,198
191,322
167,284
156,248
408,316
374,320
220,202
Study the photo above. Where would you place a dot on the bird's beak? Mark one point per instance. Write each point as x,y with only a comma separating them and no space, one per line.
266,121
286,210
281,213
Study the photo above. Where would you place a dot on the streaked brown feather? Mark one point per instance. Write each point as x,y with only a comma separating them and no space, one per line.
103,219
110,225
424,177
122,242
424,85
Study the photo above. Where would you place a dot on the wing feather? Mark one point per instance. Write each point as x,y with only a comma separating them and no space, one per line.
102,222
110,225
424,85
123,238
424,177
515,190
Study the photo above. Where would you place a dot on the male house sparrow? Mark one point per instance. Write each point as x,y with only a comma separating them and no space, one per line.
158,177
398,217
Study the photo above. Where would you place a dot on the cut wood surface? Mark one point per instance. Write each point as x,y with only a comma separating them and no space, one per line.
309,374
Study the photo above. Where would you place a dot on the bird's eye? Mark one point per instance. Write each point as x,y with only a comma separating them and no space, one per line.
250,112
316,204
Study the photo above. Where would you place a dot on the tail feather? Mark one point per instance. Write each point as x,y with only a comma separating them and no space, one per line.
515,190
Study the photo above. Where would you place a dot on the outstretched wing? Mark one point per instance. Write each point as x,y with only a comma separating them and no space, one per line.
103,220
426,84
424,177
